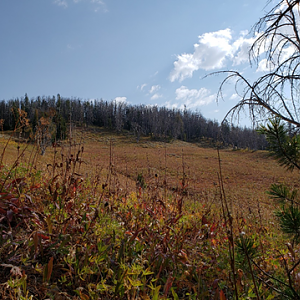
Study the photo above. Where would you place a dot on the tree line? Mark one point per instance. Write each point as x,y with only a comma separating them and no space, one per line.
159,123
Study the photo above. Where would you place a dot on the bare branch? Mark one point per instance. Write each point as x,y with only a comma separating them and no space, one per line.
277,92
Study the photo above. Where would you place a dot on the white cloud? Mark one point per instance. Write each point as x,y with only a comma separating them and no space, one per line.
212,52
92,1
234,97
156,96
120,99
62,3
191,98
154,88
241,49
265,65
288,52
169,104
142,86
98,3
184,67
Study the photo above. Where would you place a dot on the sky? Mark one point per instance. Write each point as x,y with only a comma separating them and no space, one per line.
143,52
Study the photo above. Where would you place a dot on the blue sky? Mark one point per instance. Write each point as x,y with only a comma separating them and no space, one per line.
142,52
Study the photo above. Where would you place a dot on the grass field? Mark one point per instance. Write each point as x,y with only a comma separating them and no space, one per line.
104,217
247,175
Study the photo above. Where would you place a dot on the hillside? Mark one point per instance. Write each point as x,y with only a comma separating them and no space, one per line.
159,123
103,217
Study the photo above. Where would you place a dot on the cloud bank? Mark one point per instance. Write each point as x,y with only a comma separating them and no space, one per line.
191,98
120,99
194,98
156,96
212,52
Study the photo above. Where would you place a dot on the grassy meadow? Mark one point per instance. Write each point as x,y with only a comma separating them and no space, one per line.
104,217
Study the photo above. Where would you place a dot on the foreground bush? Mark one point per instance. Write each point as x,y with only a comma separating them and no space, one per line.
65,235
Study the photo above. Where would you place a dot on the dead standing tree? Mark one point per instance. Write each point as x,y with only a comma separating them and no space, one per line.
277,47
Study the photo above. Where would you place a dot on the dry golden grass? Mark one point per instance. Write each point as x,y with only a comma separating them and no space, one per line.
247,175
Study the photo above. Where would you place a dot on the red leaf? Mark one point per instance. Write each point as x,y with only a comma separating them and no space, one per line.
135,235
168,284
222,295
213,227
17,180
84,296
14,200
37,186
14,209
50,268
6,196
69,206
37,222
42,236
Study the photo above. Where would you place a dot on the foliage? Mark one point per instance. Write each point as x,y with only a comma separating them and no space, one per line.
284,147
289,221
70,232
282,193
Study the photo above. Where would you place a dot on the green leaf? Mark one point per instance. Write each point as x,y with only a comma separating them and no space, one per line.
174,294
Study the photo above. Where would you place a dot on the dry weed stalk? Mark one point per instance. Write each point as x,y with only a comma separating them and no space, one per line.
229,225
